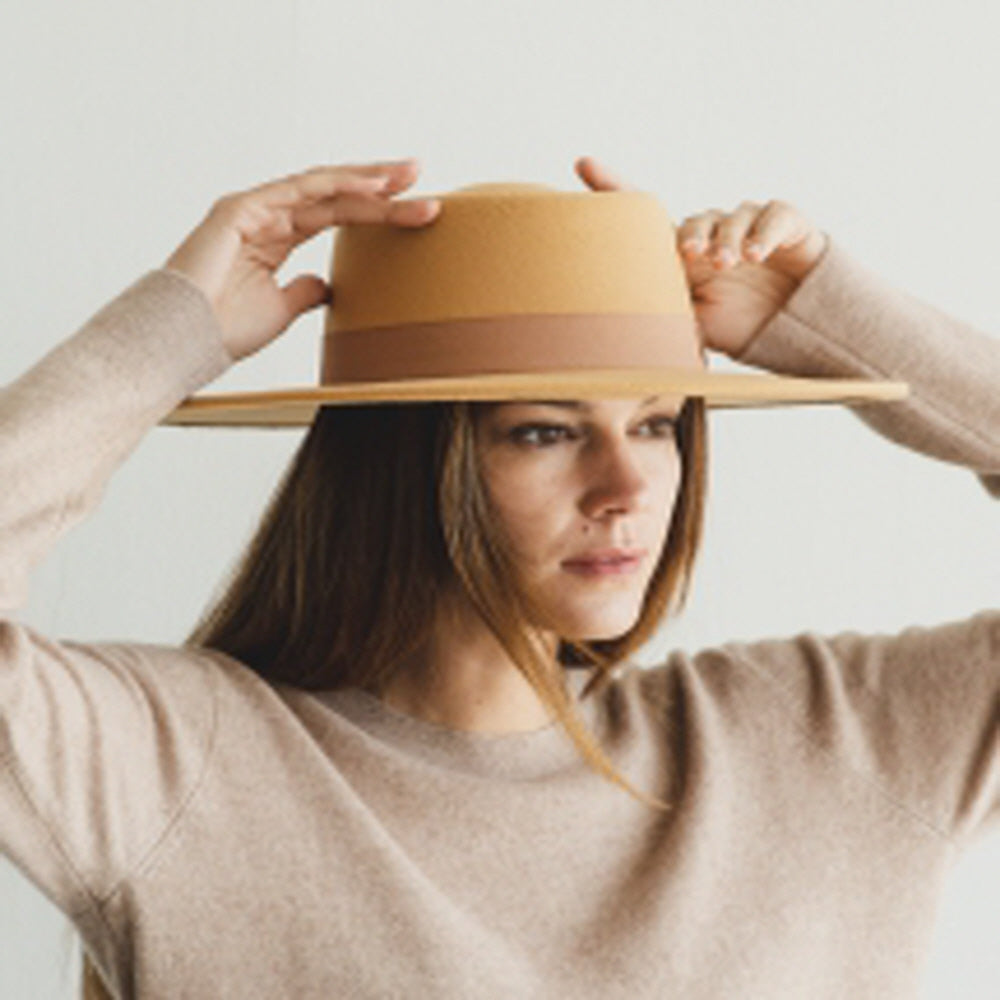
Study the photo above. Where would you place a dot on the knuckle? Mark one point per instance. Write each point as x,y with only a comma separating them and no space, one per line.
701,225
224,205
779,205
230,209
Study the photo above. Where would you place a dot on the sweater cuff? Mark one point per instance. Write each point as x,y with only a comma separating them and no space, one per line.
163,333
827,302
845,321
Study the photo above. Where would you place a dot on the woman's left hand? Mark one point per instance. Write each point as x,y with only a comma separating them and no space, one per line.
734,290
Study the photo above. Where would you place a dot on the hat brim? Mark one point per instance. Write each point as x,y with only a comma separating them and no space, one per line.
297,406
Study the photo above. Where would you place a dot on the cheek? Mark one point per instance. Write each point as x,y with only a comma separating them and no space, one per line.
534,505
664,479
539,504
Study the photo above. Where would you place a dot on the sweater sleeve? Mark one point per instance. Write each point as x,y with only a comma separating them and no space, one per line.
99,743
844,321
916,713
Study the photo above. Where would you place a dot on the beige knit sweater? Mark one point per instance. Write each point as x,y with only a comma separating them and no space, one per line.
212,836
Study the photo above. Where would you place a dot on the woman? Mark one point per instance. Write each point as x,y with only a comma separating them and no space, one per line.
214,830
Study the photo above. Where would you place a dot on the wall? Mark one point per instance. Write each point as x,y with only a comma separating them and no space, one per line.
121,123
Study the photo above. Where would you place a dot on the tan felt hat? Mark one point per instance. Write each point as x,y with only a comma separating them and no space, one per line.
515,291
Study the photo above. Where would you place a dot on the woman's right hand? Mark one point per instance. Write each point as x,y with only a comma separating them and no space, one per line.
233,255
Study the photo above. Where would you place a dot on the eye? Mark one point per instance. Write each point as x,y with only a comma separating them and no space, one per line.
539,435
662,426
543,435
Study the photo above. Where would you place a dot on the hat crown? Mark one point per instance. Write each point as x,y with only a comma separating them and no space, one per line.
511,277
514,290
510,249
503,188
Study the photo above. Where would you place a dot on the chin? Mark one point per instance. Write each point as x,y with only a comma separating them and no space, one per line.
608,622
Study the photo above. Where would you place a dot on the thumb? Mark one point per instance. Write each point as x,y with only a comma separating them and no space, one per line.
305,292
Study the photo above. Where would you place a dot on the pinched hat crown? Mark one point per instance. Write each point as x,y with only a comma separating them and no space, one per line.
515,290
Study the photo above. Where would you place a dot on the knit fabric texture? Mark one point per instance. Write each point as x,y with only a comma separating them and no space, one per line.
212,835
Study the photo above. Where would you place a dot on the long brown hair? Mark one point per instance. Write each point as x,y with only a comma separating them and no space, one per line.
380,512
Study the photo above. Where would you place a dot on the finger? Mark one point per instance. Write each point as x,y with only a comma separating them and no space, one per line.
305,292
778,225
304,189
695,233
598,177
270,210
730,232
322,182
282,221
352,207
400,174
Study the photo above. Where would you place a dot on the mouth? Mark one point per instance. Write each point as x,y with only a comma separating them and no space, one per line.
610,564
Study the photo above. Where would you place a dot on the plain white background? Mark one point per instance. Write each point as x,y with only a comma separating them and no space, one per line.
121,123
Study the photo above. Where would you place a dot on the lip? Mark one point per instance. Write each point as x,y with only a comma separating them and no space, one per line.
606,562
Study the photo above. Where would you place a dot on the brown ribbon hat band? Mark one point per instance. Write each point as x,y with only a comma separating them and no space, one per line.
515,291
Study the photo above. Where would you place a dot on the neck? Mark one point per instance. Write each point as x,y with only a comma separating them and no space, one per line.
464,679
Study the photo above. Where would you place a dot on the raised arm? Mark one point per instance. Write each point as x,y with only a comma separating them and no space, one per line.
99,742
772,290
846,321
74,417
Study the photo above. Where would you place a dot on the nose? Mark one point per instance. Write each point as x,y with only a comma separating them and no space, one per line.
615,482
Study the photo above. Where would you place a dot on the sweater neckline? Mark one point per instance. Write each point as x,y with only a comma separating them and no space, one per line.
520,754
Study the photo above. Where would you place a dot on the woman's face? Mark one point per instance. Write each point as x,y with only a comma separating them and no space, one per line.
574,484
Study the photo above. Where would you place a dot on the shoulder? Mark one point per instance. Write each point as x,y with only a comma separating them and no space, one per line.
913,712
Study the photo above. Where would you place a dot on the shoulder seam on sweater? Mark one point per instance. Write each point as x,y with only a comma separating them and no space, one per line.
180,811
836,351
10,764
868,779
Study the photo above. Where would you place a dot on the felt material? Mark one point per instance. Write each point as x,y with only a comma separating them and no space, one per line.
568,294
212,835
